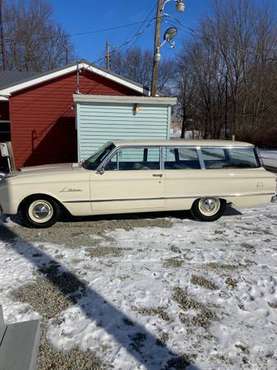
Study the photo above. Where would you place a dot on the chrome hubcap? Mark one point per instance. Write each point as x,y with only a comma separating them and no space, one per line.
41,211
209,206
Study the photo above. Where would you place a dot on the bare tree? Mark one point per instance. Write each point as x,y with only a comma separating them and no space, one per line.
136,64
33,41
232,60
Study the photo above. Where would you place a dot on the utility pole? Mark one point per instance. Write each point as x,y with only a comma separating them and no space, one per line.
168,38
157,46
108,56
3,54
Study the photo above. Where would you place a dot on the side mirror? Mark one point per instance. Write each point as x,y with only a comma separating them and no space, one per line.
101,171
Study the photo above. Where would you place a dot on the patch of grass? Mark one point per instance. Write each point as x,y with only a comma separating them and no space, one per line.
220,266
204,315
272,304
248,246
100,252
243,348
173,262
175,249
231,283
202,319
203,282
152,311
163,338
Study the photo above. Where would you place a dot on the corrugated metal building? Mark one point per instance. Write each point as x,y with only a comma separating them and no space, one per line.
102,118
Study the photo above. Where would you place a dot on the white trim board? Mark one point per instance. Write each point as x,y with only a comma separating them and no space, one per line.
147,100
51,75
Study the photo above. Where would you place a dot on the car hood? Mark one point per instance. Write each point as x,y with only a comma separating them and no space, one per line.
46,172
50,167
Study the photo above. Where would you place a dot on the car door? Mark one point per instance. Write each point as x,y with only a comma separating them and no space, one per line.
183,176
132,180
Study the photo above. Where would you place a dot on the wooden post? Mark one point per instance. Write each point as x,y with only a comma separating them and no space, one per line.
157,45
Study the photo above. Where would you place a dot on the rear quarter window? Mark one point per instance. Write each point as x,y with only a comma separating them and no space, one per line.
216,158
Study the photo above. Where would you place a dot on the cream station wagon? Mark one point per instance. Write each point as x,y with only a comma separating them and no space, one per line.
140,176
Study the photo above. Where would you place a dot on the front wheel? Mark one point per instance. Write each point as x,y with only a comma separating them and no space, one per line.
39,212
208,209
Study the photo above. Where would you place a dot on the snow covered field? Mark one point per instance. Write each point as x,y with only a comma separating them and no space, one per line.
192,295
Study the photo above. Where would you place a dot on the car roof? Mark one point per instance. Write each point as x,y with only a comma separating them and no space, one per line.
182,142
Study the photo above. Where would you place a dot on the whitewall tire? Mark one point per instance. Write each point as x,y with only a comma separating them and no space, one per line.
208,208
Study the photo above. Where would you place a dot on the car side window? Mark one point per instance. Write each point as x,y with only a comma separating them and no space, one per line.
216,158
181,158
135,159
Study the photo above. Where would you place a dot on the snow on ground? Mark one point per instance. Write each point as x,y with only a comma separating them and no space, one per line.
207,291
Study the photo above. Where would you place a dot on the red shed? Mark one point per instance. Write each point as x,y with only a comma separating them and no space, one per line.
37,114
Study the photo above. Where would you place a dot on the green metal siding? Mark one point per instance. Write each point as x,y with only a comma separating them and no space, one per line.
98,123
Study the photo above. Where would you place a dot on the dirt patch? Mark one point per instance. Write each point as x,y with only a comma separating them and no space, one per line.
51,293
173,262
100,252
43,297
89,231
203,282
51,359
152,311
203,316
217,266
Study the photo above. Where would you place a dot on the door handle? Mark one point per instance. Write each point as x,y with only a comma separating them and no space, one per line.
157,175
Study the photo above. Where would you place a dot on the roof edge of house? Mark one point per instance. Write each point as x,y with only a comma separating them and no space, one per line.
82,64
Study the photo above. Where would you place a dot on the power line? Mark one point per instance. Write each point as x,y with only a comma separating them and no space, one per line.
90,32
141,30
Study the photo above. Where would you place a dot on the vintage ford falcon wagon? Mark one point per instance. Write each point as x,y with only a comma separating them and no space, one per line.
140,176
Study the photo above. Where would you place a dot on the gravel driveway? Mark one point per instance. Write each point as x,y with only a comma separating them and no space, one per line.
147,292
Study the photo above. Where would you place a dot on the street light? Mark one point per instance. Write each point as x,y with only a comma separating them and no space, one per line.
180,5
168,37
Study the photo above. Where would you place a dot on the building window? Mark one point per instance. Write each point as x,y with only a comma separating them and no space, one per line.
5,131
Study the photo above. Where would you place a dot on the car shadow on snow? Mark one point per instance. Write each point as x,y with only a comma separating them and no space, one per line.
151,353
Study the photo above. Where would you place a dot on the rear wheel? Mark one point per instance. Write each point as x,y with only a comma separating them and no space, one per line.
208,209
39,212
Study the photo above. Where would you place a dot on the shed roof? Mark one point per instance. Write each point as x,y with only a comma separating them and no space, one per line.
147,100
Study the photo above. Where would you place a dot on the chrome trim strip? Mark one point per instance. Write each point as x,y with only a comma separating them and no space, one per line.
166,198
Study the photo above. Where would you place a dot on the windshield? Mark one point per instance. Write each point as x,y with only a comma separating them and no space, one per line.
94,161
